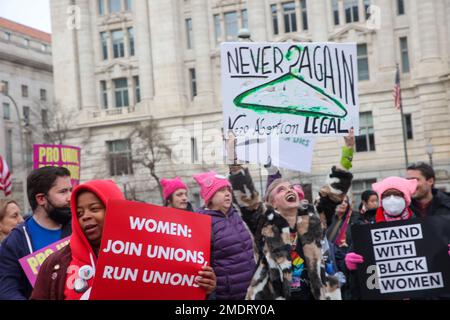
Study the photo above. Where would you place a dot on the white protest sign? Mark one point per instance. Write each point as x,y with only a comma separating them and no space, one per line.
289,153
289,89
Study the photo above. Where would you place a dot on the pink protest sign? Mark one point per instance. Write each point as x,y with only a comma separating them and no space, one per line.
58,156
33,262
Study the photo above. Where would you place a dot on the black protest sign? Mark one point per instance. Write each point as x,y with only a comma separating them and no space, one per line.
404,259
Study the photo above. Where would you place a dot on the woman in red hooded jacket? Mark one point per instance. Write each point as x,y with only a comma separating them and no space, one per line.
68,274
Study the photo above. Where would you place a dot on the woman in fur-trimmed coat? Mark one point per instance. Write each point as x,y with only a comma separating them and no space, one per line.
288,235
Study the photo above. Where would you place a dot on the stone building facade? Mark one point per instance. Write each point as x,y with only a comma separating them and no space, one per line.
26,72
120,62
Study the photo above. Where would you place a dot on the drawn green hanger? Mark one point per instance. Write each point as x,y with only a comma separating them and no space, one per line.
285,95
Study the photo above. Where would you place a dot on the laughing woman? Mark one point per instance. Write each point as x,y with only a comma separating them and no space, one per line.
289,232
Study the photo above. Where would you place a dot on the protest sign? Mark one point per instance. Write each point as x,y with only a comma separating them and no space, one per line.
289,89
150,252
404,259
294,153
58,156
33,262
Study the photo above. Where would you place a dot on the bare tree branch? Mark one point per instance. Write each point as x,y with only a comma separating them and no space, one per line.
151,149
49,122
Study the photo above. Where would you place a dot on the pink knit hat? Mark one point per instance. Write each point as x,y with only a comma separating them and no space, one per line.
172,185
210,183
408,187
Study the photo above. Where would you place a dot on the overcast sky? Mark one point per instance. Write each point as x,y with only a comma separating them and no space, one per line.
33,13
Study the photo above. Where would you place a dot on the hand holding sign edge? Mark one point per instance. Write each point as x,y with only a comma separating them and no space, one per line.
207,279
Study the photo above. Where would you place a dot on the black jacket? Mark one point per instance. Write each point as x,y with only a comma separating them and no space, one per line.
367,218
439,205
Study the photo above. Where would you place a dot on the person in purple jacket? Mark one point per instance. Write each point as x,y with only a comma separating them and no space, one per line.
232,250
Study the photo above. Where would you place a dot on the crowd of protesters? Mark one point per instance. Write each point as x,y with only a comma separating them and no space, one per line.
263,247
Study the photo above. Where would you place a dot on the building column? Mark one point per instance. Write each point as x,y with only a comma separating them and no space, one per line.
131,93
424,49
126,42
143,51
201,40
110,93
341,12
86,66
109,44
319,28
223,34
385,36
447,18
170,89
298,19
66,85
361,11
428,31
239,19
256,11
280,18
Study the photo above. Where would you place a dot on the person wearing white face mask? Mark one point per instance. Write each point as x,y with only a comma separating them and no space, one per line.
394,205
395,197
395,194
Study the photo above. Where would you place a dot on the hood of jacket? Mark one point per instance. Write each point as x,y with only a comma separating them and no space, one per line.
105,190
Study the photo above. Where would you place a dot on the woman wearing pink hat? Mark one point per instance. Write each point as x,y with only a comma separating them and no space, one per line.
232,244
175,193
395,197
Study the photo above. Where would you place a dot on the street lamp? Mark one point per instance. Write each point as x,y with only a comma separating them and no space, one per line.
429,149
245,34
22,154
124,181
